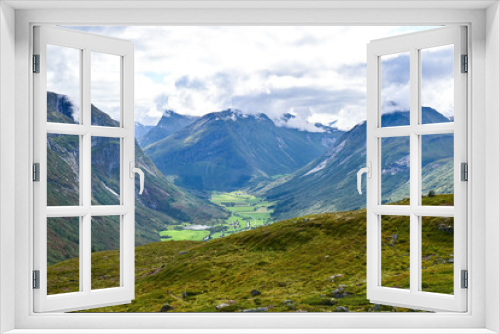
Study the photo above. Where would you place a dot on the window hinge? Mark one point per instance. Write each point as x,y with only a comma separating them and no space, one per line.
465,64
464,171
36,63
465,279
36,279
36,172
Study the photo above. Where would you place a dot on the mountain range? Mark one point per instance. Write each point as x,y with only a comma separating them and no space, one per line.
229,150
169,123
328,183
161,203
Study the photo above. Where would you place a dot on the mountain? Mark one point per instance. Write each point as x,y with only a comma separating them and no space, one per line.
227,150
161,203
315,263
170,122
328,133
141,130
328,183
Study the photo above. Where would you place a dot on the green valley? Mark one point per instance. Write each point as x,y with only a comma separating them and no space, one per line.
246,212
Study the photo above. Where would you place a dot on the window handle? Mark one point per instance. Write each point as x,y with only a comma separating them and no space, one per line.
368,171
134,170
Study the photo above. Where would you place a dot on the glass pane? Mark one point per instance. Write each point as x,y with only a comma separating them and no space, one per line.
437,169
395,89
63,84
437,254
63,170
63,248
437,95
395,171
105,89
105,171
105,252
395,252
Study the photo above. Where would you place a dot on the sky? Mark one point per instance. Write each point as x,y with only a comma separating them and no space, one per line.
316,73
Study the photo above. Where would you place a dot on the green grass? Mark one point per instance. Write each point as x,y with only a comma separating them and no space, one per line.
241,208
183,235
302,259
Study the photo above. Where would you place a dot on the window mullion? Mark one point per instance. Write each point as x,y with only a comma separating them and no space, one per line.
414,171
86,242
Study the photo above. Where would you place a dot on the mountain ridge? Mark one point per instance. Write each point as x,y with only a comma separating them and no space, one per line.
226,150
327,184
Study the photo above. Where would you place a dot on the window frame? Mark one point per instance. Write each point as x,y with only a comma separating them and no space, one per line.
473,18
414,44
86,44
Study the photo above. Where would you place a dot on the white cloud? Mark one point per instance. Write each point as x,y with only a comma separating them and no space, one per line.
251,68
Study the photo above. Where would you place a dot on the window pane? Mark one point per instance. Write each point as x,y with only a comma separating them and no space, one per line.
105,89
105,252
437,254
437,95
437,169
395,89
395,252
63,170
395,171
105,171
63,84
63,248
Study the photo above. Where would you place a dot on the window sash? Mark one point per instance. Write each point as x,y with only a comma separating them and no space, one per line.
414,298
86,297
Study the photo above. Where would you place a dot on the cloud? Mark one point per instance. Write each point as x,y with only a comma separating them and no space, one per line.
318,72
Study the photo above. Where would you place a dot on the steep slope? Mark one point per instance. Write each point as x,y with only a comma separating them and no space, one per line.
328,184
315,263
227,150
141,130
161,203
170,122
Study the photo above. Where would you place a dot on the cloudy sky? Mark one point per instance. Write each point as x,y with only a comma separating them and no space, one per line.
316,73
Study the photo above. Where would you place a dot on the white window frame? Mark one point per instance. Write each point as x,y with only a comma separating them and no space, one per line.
414,297
86,43
484,101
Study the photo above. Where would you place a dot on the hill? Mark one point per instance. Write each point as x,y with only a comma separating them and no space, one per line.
161,203
328,183
228,150
169,123
315,263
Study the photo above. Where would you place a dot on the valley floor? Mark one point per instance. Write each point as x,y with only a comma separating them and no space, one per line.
246,212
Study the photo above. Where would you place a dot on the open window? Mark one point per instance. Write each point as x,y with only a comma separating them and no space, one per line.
431,62
85,136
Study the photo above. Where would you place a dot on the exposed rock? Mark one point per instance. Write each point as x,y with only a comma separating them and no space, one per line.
183,252
445,228
255,292
289,303
166,307
333,277
341,309
340,292
384,308
258,309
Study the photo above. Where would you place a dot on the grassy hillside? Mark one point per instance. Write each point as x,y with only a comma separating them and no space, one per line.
314,263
